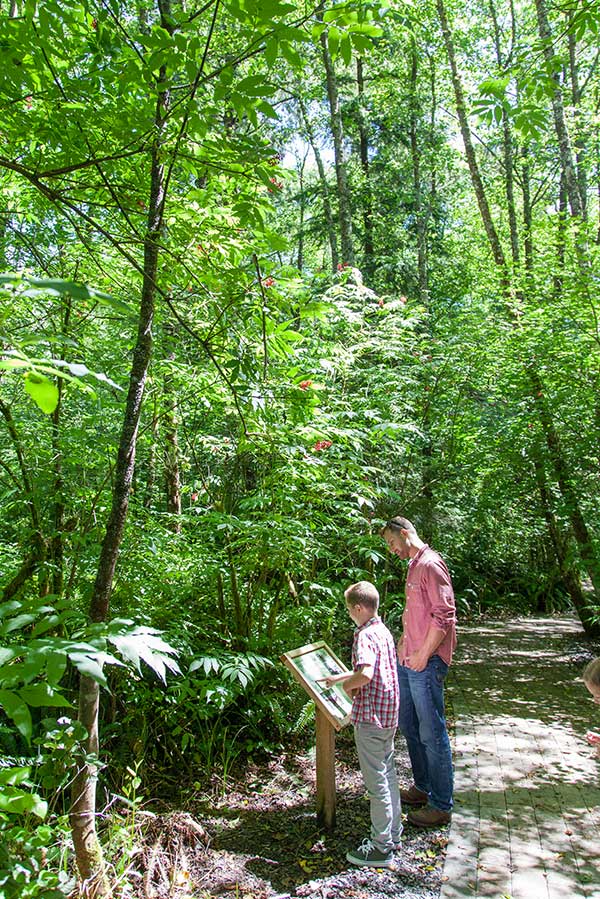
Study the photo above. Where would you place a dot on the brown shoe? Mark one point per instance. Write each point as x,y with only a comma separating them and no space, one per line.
429,817
413,796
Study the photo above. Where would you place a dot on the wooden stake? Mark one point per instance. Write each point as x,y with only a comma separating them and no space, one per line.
325,761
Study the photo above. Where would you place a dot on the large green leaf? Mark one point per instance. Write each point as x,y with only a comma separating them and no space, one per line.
43,392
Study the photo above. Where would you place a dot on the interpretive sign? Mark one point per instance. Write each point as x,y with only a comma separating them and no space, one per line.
309,665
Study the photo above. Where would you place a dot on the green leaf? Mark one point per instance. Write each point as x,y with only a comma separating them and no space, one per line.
346,50
38,695
42,391
17,802
16,709
271,52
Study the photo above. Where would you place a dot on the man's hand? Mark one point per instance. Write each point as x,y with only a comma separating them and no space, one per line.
399,648
417,661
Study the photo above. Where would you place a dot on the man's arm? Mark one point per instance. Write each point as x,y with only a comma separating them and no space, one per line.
417,661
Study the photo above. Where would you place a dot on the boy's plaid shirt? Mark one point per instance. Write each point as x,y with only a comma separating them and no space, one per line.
378,701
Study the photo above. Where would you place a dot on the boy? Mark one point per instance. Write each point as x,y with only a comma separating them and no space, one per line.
373,687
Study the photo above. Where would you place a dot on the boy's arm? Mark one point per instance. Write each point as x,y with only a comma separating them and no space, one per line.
349,680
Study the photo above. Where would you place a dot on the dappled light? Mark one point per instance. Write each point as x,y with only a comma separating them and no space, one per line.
527,787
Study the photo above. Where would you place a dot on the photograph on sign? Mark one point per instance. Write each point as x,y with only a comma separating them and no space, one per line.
310,664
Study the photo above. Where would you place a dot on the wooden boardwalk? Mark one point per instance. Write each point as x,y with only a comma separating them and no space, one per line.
526,823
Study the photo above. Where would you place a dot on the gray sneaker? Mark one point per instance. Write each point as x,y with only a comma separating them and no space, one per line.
370,856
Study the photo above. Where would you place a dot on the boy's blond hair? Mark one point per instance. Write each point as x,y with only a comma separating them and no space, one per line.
363,593
591,673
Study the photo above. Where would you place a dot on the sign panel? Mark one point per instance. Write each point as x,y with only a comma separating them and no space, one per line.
310,663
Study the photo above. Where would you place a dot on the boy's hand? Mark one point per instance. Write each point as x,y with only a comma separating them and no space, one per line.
329,681
593,738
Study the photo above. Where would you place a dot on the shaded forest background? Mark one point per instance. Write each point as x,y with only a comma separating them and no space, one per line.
273,272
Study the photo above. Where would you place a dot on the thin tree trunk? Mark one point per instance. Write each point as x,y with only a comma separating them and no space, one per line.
461,110
369,248
88,850
172,475
563,477
420,215
327,211
302,198
151,463
507,152
568,576
560,122
337,130
56,543
576,100
527,217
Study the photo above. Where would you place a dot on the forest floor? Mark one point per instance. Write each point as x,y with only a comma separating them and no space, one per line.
260,840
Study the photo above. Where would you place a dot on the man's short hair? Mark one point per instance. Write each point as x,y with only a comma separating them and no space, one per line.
363,593
398,523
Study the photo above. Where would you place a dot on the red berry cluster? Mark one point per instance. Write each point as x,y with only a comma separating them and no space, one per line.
321,445
304,385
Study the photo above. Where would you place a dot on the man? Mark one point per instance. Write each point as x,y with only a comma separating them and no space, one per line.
424,654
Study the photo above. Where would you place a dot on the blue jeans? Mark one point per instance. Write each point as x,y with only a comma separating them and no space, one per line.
423,724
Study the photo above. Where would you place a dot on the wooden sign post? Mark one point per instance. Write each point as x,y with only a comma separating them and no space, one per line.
309,665
325,762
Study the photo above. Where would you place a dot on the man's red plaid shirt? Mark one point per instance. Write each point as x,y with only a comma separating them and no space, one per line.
378,701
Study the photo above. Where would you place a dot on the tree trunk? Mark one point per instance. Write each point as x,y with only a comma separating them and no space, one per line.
369,249
461,110
337,130
302,200
172,475
563,478
420,215
569,577
327,211
576,99
83,810
507,152
560,122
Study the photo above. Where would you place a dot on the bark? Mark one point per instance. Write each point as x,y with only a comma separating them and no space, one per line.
58,512
28,569
369,248
337,130
527,216
476,179
576,100
560,543
151,463
561,236
83,810
302,200
420,213
172,473
327,211
507,152
558,110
